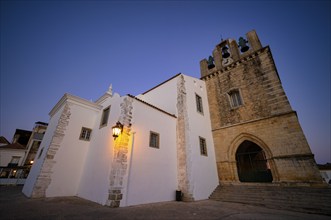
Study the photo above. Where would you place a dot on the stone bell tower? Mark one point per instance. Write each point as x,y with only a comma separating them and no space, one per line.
257,135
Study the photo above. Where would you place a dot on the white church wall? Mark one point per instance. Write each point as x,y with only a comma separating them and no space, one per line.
205,177
152,173
70,157
94,183
41,154
163,96
203,168
83,168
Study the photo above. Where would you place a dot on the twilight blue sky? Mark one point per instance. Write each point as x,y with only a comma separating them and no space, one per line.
49,48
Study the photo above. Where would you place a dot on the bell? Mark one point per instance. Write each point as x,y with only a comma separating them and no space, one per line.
242,44
225,53
211,62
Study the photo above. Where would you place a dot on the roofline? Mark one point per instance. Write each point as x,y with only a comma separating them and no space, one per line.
150,105
14,146
22,131
103,98
162,83
41,123
76,100
14,149
5,139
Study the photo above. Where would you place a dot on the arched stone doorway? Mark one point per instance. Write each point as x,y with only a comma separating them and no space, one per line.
252,164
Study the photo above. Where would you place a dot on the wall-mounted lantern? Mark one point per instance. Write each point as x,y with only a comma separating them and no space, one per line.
117,129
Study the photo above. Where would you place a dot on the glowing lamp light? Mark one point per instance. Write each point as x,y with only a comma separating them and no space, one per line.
117,129
31,161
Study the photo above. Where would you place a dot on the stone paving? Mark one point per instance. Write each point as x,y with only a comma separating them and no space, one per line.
14,205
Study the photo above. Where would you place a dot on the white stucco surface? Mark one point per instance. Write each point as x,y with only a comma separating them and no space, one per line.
83,168
203,170
94,184
205,177
163,96
153,175
41,154
70,158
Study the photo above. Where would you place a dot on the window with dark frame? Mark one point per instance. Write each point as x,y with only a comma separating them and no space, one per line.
85,134
198,100
235,98
105,116
203,146
14,161
35,146
40,153
154,140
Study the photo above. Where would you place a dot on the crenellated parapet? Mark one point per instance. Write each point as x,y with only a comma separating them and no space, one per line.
230,51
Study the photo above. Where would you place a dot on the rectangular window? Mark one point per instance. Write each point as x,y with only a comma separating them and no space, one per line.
105,116
85,134
198,100
41,152
154,139
203,146
235,98
14,161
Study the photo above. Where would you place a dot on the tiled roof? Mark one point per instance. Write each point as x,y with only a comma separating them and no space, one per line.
13,146
3,140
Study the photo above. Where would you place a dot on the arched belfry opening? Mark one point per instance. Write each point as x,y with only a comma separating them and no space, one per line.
252,164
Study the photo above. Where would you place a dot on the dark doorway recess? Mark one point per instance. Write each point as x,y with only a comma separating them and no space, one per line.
252,164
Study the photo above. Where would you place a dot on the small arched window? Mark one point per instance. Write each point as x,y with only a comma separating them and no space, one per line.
235,98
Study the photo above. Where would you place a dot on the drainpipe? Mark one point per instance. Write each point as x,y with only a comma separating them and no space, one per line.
129,169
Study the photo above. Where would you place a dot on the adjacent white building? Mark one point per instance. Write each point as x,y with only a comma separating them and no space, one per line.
165,146
11,155
34,142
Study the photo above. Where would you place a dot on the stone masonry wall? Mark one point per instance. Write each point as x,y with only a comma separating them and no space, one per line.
282,140
119,163
184,167
44,178
260,87
265,116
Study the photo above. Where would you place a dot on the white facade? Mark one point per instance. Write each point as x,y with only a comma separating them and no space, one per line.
200,169
11,158
7,154
128,171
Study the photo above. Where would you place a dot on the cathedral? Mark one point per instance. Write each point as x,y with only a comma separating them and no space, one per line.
180,139
257,135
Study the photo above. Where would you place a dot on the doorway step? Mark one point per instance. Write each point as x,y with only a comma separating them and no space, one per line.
307,199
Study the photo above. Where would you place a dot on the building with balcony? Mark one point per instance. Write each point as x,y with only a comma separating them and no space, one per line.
16,158
33,144
12,154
